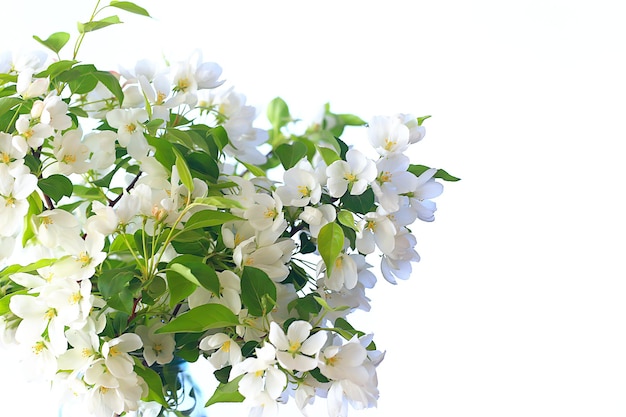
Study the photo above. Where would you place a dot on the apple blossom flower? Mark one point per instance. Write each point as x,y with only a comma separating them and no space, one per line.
32,132
52,111
260,374
353,175
101,145
392,180
56,227
423,190
300,188
318,217
128,123
29,87
298,349
397,263
229,295
267,212
416,131
157,348
115,353
343,274
10,155
375,231
388,135
226,350
71,153
15,187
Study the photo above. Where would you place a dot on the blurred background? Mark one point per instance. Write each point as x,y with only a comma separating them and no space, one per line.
517,307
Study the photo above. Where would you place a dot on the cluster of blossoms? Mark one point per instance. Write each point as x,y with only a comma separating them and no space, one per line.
144,220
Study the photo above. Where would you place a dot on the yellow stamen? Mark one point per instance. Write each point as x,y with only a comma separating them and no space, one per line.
160,98
75,298
38,348
114,351
389,145
304,190
249,261
293,347
28,134
183,84
84,258
371,225
86,352
69,159
330,361
338,262
10,201
50,314
270,213
350,177
226,346
131,127
6,158
384,177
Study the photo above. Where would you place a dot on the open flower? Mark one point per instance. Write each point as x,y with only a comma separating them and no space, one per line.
353,174
297,349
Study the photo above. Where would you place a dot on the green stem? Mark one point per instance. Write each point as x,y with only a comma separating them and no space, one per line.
79,41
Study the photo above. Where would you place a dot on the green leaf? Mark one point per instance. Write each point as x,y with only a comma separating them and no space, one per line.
346,218
164,151
255,285
278,113
56,186
98,24
290,154
200,319
420,120
129,7
183,171
56,68
362,204
6,300
255,170
417,170
153,380
55,42
179,287
226,393
13,269
194,270
111,82
219,202
328,155
208,218
330,244
7,103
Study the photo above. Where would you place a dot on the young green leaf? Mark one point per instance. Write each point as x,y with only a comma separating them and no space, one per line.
129,7
56,186
417,170
328,155
226,393
420,120
208,218
255,285
290,154
278,113
55,42
111,83
200,319
98,24
7,103
183,171
153,380
330,243
346,218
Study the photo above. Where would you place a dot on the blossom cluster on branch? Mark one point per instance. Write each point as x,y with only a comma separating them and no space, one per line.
144,217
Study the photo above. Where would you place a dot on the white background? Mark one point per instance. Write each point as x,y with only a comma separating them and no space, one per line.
517,307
